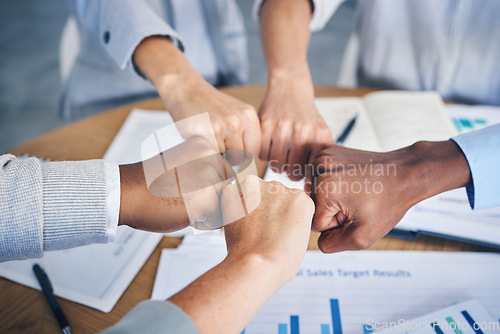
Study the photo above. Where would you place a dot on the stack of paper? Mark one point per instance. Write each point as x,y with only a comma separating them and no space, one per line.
468,317
347,292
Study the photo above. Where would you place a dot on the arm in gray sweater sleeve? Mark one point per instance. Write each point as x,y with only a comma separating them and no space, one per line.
50,206
154,316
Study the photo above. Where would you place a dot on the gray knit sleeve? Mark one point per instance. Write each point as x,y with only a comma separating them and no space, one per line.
21,230
74,204
154,316
50,206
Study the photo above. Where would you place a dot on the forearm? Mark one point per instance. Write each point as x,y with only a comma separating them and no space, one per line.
431,168
167,68
285,34
226,298
142,210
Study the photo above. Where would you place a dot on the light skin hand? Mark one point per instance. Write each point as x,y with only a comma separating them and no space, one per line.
265,250
360,196
293,131
185,93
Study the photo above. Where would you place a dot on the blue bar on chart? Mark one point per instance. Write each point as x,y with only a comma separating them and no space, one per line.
294,324
472,323
282,329
325,329
367,329
336,324
436,328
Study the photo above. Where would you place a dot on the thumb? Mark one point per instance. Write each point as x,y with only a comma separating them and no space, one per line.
352,235
327,216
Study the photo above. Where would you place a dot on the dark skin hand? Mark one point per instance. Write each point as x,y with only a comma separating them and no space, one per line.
360,196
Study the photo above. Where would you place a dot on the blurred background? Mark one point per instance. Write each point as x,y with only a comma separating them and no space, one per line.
38,43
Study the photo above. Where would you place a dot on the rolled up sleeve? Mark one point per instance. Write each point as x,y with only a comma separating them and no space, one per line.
121,25
323,10
482,151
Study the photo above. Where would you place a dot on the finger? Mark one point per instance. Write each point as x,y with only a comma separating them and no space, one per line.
350,236
297,157
238,200
267,128
252,139
326,218
280,148
295,167
234,142
219,135
327,204
311,170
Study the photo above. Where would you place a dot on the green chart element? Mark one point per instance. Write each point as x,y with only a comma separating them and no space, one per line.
465,124
453,325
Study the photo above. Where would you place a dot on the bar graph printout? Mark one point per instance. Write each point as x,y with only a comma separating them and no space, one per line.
462,318
350,291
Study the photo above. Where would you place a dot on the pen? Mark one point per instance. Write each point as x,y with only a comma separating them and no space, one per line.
48,291
343,136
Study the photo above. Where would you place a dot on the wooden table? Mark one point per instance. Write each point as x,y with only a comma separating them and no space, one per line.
24,310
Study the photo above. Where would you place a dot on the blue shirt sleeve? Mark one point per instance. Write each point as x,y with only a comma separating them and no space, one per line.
121,25
482,151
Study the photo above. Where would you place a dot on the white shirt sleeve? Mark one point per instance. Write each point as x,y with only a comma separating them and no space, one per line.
121,25
483,156
112,173
323,12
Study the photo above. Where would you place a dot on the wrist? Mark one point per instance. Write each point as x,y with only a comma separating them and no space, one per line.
176,89
275,271
430,168
297,74
286,80
130,187
173,79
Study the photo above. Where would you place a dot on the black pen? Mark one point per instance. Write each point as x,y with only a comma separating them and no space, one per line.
48,291
341,139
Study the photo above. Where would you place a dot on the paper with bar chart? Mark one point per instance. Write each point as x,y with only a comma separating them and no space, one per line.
467,118
346,292
463,318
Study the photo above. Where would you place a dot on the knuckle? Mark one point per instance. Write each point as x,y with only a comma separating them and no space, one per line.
233,123
228,192
250,112
217,128
325,245
267,124
360,243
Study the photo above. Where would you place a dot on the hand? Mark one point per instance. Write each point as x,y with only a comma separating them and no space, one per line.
293,131
360,196
173,190
236,124
185,93
265,249
277,231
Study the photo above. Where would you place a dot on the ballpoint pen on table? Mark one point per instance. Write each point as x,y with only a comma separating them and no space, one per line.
48,291
343,136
